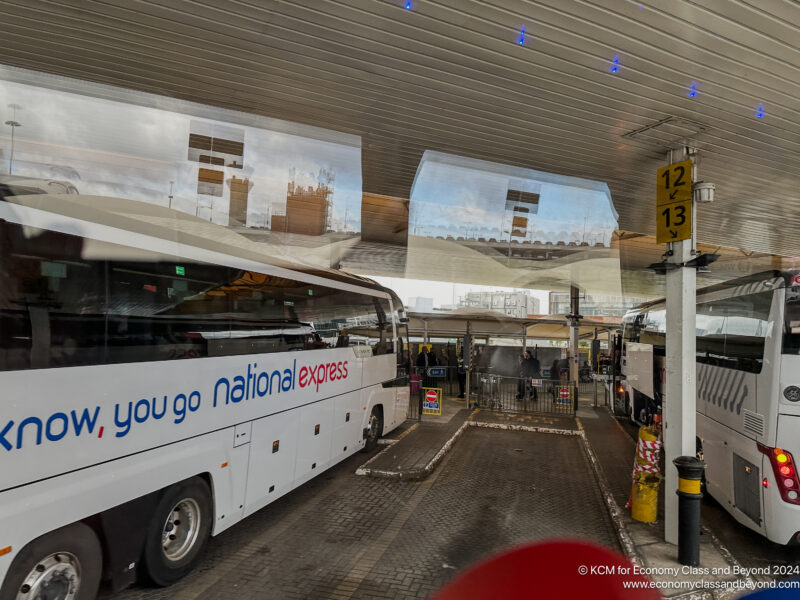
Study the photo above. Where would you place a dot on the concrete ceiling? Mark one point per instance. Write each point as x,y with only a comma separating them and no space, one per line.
450,75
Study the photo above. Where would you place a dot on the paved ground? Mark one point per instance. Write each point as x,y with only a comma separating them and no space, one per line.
344,536
751,549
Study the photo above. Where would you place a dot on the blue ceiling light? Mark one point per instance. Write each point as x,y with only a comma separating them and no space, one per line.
760,111
692,90
521,39
408,5
615,64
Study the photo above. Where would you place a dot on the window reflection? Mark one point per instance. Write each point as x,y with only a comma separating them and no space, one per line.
58,308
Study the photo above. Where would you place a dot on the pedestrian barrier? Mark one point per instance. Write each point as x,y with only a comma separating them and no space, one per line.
643,501
515,394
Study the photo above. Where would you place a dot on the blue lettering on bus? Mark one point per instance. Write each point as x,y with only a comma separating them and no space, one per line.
55,428
246,386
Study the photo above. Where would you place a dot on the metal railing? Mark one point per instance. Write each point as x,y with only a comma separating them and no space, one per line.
515,394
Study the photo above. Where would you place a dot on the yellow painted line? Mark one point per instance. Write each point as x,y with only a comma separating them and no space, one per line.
407,431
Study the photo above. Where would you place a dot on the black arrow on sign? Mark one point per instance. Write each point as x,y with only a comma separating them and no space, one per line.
672,195
674,234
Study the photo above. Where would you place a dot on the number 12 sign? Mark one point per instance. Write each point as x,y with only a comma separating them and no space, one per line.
674,202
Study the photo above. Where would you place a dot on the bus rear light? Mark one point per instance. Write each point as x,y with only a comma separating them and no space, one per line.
765,482
785,472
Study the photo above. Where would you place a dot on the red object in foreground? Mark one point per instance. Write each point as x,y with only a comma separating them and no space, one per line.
558,569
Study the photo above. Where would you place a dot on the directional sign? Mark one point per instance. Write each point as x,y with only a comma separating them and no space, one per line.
437,371
674,202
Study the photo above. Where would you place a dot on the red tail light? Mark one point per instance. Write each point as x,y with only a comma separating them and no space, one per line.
783,466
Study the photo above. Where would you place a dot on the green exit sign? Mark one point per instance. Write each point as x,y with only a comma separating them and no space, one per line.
180,270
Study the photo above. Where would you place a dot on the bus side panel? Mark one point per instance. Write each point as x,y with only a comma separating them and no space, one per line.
724,394
273,451
639,367
402,399
314,434
730,459
347,434
717,457
377,395
62,500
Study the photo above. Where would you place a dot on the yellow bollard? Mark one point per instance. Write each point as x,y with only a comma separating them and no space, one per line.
644,497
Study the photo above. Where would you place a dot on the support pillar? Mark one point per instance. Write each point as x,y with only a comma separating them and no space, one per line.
524,338
574,322
679,408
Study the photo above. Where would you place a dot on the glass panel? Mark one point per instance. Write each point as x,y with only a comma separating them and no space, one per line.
731,332
67,301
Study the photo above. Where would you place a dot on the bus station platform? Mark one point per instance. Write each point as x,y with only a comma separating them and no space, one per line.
441,495
610,448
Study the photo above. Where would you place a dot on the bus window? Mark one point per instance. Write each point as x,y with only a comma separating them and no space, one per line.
791,328
731,332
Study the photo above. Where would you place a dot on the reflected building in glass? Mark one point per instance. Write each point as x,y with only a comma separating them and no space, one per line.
254,174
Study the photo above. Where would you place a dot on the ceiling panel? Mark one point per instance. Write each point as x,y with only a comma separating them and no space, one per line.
450,76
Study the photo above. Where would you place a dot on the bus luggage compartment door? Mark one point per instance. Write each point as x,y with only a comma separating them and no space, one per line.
273,447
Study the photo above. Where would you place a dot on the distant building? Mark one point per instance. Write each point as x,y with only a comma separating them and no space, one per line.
240,189
513,304
308,208
593,305
418,304
520,207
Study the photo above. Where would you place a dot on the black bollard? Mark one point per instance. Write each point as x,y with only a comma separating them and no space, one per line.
690,473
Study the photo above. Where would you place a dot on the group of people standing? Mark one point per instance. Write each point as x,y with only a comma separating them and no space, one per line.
427,358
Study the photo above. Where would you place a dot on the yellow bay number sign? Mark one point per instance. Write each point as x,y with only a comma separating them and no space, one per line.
674,202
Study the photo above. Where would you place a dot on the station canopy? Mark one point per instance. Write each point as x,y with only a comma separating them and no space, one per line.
510,144
487,323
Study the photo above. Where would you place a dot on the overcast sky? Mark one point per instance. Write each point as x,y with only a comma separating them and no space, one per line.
444,292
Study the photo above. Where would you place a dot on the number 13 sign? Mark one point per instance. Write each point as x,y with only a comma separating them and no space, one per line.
674,202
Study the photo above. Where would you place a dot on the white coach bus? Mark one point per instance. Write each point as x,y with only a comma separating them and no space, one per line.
748,394
162,378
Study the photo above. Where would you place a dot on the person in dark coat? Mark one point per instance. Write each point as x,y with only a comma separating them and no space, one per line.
426,358
521,380
462,374
531,370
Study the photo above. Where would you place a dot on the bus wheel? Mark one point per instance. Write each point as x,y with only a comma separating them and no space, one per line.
65,564
177,532
374,429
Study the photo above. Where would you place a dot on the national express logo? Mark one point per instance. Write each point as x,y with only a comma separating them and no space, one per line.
176,408
244,387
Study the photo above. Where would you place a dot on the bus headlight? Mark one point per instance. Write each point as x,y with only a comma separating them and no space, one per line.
792,393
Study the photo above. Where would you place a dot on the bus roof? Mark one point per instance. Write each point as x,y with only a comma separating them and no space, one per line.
754,278
172,225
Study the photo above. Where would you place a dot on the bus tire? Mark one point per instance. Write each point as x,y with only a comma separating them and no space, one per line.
50,565
178,532
374,429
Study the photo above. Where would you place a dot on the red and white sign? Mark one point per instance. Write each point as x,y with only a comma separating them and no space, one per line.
563,392
431,396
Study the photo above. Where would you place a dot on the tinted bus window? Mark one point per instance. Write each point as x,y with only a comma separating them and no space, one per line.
731,332
70,301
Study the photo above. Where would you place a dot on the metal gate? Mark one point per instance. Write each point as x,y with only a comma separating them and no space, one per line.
545,396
